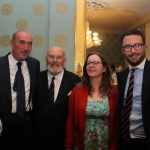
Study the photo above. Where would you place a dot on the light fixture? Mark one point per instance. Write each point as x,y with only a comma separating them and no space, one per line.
91,39
92,6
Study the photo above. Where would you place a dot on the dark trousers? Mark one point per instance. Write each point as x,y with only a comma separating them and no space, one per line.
18,133
48,137
134,144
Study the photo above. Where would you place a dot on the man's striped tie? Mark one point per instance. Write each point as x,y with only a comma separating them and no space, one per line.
125,132
51,92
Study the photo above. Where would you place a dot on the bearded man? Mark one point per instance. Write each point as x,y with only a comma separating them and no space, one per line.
51,109
134,93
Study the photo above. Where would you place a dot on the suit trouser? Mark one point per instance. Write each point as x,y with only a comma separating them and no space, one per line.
19,134
48,137
134,144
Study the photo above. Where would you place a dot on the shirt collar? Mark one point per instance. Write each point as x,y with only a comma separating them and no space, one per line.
140,66
57,77
13,61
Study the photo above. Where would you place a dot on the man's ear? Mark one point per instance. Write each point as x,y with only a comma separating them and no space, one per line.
122,50
145,47
12,44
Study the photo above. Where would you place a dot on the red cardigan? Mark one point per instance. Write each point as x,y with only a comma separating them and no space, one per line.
76,119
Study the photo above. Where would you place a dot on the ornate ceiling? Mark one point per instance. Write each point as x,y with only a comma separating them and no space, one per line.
117,15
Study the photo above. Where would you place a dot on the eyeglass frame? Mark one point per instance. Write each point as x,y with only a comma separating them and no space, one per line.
58,58
95,65
133,47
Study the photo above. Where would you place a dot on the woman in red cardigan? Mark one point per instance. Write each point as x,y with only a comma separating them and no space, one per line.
93,109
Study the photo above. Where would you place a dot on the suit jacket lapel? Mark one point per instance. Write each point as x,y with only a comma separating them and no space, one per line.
44,84
122,77
31,75
124,80
64,87
146,83
42,89
5,76
30,72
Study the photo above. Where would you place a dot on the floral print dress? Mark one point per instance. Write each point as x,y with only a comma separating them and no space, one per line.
97,125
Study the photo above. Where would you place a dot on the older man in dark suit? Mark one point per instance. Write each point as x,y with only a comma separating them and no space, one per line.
52,110
134,93
18,74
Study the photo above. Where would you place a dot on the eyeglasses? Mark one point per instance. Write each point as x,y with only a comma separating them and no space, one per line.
51,57
94,63
137,46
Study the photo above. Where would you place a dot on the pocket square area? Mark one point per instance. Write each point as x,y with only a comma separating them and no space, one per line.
69,93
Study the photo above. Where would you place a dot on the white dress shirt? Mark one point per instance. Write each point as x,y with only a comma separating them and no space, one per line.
136,121
13,69
57,82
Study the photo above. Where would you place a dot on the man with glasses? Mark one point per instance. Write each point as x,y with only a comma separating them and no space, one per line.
134,93
51,109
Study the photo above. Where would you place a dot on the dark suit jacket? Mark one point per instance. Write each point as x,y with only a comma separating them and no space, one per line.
145,93
51,121
5,88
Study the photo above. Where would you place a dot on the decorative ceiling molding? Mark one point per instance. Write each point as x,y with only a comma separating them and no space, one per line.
119,15
135,25
141,21
96,5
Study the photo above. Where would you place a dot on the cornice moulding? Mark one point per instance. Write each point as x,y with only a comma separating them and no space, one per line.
135,25
141,21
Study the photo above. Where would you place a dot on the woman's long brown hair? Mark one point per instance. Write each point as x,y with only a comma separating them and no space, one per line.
105,85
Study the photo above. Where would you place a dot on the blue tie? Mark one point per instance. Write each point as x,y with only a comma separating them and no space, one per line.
19,87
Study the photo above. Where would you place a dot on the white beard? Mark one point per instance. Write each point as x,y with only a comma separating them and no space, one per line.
54,71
